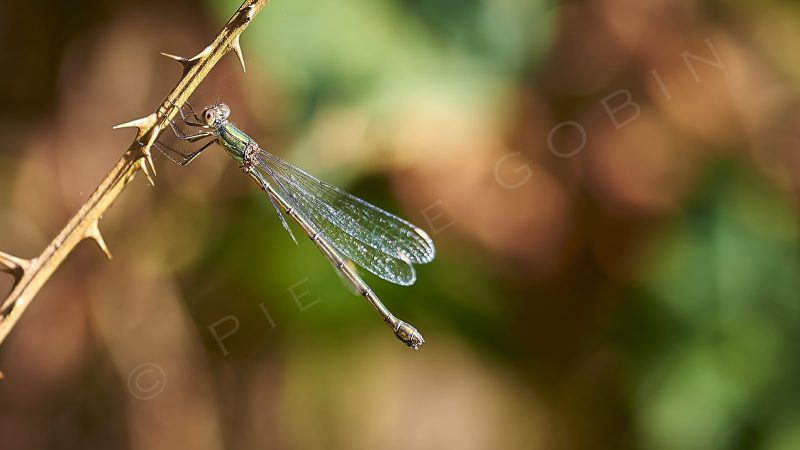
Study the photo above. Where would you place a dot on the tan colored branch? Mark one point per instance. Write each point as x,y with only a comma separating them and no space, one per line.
30,275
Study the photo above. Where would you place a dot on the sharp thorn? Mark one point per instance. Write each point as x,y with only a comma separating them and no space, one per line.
147,149
149,157
148,160
143,124
236,46
184,62
12,264
187,64
93,232
146,170
206,51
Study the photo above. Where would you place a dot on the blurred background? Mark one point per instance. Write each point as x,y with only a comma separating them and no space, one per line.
612,187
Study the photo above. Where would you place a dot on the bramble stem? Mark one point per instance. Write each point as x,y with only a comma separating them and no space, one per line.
32,274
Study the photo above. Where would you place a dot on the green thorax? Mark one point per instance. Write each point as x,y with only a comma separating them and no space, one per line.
233,140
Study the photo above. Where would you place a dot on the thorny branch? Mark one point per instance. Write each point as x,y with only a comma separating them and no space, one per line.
31,274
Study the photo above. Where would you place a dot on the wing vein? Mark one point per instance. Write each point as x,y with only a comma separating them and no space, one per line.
372,225
346,234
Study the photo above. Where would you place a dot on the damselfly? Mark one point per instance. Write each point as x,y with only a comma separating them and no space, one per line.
341,225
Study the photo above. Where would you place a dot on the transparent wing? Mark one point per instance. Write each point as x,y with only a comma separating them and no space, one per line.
358,218
385,266
377,240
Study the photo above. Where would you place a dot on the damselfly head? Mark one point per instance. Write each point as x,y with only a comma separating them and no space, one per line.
215,115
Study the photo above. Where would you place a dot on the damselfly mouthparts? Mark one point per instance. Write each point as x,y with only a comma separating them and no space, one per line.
341,225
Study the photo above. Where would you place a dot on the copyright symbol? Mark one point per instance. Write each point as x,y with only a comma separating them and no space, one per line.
146,381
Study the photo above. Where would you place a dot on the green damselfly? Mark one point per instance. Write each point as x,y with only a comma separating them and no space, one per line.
341,225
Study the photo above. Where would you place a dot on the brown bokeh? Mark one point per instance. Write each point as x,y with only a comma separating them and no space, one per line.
612,188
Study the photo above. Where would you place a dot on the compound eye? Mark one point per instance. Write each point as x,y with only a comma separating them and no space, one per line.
209,116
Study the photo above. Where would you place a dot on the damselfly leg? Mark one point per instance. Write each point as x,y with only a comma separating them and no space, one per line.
194,122
183,159
189,120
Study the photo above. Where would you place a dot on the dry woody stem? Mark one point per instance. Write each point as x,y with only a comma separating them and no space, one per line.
31,274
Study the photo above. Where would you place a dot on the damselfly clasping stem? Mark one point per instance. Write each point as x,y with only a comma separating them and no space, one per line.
343,227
